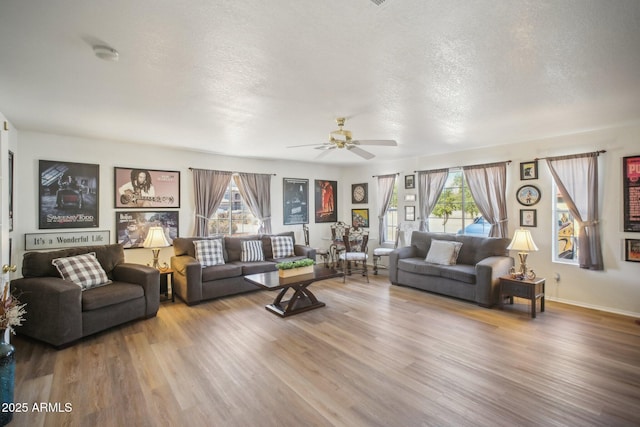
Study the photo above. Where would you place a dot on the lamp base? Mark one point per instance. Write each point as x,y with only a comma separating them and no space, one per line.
156,264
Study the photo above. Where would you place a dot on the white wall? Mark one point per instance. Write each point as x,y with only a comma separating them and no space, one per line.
615,289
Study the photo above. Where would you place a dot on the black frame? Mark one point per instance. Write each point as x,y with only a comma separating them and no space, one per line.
295,201
360,218
11,159
331,199
631,185
524,212
529,170
68,195
142,220
632,250
166,185
409,213
521,197
365,186
409,182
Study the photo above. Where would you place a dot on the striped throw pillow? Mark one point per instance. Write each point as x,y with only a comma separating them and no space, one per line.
209,252
282,246
251,251
83,270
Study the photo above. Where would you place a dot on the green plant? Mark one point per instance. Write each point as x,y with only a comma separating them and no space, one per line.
295,264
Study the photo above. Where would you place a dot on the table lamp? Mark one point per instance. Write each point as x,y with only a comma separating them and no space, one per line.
156,240
523,243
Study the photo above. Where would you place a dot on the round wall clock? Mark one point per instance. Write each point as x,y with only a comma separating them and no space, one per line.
528,195
359,193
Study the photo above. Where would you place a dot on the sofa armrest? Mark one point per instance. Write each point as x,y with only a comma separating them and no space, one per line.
53,311
187,278
488,272
301,250
399,253
147,277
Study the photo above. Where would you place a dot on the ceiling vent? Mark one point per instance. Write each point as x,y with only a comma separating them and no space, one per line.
377,2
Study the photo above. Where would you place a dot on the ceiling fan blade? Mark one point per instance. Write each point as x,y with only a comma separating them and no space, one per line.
326,146
324,153
305,145
360,152
384,142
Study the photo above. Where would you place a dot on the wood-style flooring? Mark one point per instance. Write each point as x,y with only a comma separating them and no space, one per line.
376,355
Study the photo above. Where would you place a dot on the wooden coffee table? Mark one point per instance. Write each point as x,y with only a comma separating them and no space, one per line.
302,299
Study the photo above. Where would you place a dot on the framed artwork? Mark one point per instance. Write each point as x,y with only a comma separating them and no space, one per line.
409,197
359,193
146,188
632,250
529,170
10,170
132,226
409,213
326,198
631,188
295,201
528,195
528,218
65,239
360,218
68,195
409,182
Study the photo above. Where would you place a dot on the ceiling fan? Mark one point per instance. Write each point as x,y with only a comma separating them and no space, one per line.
341,138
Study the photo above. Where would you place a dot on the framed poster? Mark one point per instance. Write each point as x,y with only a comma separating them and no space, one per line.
528,195
529,170
360,193
631,185
10,170
68,195
409,182
528,218
326,198
409,213
632,250
132,226
146,188
360,218
295,201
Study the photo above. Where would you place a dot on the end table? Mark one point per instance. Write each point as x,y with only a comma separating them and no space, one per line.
165,275
529,289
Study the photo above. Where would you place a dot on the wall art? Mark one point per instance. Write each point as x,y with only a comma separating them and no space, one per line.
132,226
146,188
326,198
295,201
631,188
360,218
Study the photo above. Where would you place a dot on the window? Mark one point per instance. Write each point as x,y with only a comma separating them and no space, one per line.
233,216
391,217
455,210
565,231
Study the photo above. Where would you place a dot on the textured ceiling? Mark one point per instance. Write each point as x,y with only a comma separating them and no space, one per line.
251,77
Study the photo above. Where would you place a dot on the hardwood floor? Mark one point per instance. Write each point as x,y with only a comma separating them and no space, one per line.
376,355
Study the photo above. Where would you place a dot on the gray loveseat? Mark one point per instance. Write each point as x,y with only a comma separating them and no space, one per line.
474,277
59,312
193,283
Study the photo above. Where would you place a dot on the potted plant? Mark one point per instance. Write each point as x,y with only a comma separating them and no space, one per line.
295,268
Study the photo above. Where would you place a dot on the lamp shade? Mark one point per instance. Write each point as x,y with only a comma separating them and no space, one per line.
522,241
155,238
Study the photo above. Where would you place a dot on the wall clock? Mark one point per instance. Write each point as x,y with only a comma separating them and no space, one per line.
359,193
528,195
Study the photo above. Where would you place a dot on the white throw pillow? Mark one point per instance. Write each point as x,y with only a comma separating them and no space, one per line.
83,270
252,251
209,252
282,246
443,252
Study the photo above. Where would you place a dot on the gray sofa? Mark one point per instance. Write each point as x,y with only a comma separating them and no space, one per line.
474,277
192,283
59,312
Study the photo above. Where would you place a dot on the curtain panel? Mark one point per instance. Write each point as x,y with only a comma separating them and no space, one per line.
430,185
255,189
209,189
577,179
386,184
487,184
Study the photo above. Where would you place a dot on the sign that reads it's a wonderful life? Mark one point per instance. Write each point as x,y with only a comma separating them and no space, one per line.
36,241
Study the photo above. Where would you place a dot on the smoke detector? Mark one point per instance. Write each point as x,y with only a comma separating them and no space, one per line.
105,52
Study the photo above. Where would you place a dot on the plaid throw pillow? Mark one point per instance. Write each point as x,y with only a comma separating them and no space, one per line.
83,270
209,252
252,251
282,246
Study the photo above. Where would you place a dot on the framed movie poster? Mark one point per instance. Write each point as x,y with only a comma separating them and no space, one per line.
132,226
632,250
631,184
326,198
146,188
68,195
295,201
360,218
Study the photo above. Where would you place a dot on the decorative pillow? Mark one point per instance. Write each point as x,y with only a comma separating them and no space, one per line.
209,252
282,246
443,252
251,251
83,270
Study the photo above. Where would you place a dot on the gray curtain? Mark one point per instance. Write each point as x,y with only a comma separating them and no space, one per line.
488,184
577,179
209,189
430,185
255,189
386,184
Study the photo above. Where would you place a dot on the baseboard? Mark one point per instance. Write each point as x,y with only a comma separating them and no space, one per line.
593,307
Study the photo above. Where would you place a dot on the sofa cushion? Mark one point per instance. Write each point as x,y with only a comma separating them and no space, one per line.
461,273
252,251
223,271
256,267
282,246
209,252
115,293
443,252
83,270
418,266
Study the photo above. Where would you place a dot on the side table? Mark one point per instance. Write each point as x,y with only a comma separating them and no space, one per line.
529,289
165,275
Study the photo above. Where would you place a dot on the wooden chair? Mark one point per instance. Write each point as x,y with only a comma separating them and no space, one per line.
354,258
320,252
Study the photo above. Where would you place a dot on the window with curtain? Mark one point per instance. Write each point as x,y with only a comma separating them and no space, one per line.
233,216
391,217
565,231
